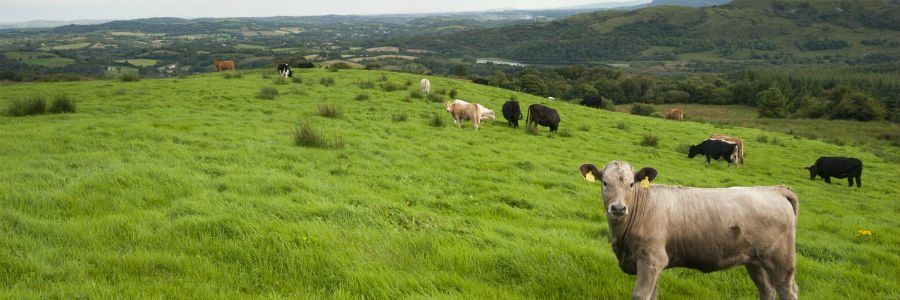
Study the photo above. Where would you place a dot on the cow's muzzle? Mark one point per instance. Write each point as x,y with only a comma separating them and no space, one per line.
618,209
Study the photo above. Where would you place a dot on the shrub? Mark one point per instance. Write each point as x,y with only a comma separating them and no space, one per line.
383,77
398,117
34,105
329,111
306,136
297,80
762,139
607,104
280,81
129,77
441,91
366,85
408,82
62,104
772,104
435,98
453,94
436,120
390,86
267,93
326,81
416,94
621,126
362,97
340,66
232,75
641,109
650,140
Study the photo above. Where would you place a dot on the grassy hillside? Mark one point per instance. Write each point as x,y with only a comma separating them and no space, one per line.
194,188
779,32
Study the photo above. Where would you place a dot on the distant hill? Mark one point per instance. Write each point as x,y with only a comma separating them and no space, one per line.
775,31
48,24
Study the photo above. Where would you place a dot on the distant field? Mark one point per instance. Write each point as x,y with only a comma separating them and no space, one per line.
287,50
40,58
328,63
193,188
882,138
406,57
248,46
66,47
121,71
383,49
139,62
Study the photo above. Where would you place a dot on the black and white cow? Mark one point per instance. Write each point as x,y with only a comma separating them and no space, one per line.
714,149
838,167
285,70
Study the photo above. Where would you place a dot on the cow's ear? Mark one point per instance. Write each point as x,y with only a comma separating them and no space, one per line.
590,172
649,173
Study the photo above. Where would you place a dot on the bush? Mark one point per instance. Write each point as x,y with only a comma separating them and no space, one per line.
621,126
641,109
129,77
340,66
453,94
772,104
416,94
232,75
398,117
607,104
62,104
280,81
366,85
297,80
306,136
362,97
435,98
326,81
436,120
329,111
34,105
408,82
390,86
650,140
267,93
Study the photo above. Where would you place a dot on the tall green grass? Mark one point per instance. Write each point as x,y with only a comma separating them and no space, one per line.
179,193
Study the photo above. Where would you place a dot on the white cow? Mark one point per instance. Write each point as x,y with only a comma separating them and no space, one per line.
485,112
426,86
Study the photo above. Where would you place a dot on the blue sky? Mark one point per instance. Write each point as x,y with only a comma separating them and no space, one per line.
25,10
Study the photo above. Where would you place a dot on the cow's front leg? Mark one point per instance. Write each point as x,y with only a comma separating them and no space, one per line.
828,179
648,270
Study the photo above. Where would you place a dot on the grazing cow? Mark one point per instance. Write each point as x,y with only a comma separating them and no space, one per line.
738,155
486,114
285,70
714,149
656,227
426,86
675,114
592,101
461,110
512,113
481,81
224,65
838,167
542,115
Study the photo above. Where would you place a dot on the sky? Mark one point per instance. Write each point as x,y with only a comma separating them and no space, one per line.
26,10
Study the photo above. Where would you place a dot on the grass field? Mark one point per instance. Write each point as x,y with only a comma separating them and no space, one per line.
193,188
139,62
44,59
881,138
66,47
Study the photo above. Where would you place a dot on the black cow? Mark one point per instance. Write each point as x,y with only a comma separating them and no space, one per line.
714,149
592,101
542,115
838,167
512,113
305,65
285,70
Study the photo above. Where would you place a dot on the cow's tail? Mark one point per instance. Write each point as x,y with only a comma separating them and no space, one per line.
791,197
527,117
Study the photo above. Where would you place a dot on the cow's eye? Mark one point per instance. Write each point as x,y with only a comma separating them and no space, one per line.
632,185
604,183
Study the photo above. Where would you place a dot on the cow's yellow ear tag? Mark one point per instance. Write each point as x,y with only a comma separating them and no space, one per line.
589,176
645,184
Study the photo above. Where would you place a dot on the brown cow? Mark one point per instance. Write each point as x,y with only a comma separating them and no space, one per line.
462,110
675,114
224,65
738,156
655,227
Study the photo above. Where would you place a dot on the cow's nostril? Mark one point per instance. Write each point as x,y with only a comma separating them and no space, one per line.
617,208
